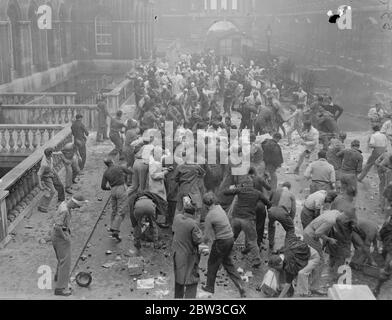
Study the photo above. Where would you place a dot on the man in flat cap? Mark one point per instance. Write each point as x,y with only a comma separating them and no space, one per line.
61,240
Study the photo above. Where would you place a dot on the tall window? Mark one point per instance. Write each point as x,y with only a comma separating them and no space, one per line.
214,4
224,4
234,4
103,36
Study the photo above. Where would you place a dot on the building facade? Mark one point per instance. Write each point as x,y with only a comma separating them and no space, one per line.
195,22
300,28
81,30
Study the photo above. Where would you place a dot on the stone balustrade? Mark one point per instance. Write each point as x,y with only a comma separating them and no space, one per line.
119,95
50,114
19,188
13,98
21,138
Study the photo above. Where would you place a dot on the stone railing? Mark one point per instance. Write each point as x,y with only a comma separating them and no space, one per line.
21,138
119,95
50,114
19,190
38,97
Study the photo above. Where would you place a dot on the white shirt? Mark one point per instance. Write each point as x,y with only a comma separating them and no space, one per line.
387,129
378,140
316,200
375,115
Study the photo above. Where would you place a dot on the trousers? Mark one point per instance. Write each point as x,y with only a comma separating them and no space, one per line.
308,278
376,153
249,228
139,177
283,217
119,200
62,247
144,208
53,184
71,171
307,216
271,169
221,255
81,146
183,291
118,144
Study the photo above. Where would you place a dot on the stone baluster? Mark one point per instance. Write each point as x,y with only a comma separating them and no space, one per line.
54,116
66,118
50,133
3,141
11,141
73,113
40,115
42,137
12,213
27,140
30,185
19,141
19,196
35,139
46,115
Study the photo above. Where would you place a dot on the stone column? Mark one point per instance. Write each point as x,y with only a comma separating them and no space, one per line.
27,48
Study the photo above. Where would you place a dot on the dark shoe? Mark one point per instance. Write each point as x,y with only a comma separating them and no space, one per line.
42,210
116,236
242,293
63,292
319,292
245,251
206,289
69,191
256,265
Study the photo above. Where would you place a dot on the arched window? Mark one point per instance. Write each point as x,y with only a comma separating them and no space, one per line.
103,35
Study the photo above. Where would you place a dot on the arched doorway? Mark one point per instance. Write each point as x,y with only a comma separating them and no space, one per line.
13,13
225,38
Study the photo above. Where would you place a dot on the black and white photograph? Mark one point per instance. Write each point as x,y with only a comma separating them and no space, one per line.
206,152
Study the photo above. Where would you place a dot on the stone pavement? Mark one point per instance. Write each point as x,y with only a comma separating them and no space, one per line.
30,247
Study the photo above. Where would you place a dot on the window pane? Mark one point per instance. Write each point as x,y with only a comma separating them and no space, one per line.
234,4
214,4
224,4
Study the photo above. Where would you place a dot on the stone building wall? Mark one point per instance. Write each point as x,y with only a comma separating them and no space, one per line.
81,30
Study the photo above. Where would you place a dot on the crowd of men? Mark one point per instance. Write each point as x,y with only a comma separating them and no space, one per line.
206,203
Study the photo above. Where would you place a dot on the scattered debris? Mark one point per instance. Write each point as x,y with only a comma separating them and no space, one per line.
240,270
83,257
203,295
28,227
245,278
42,241
249,274
99,199
118,258
135,266
108,265
109,252
88,245
161,281
145,284
161,293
